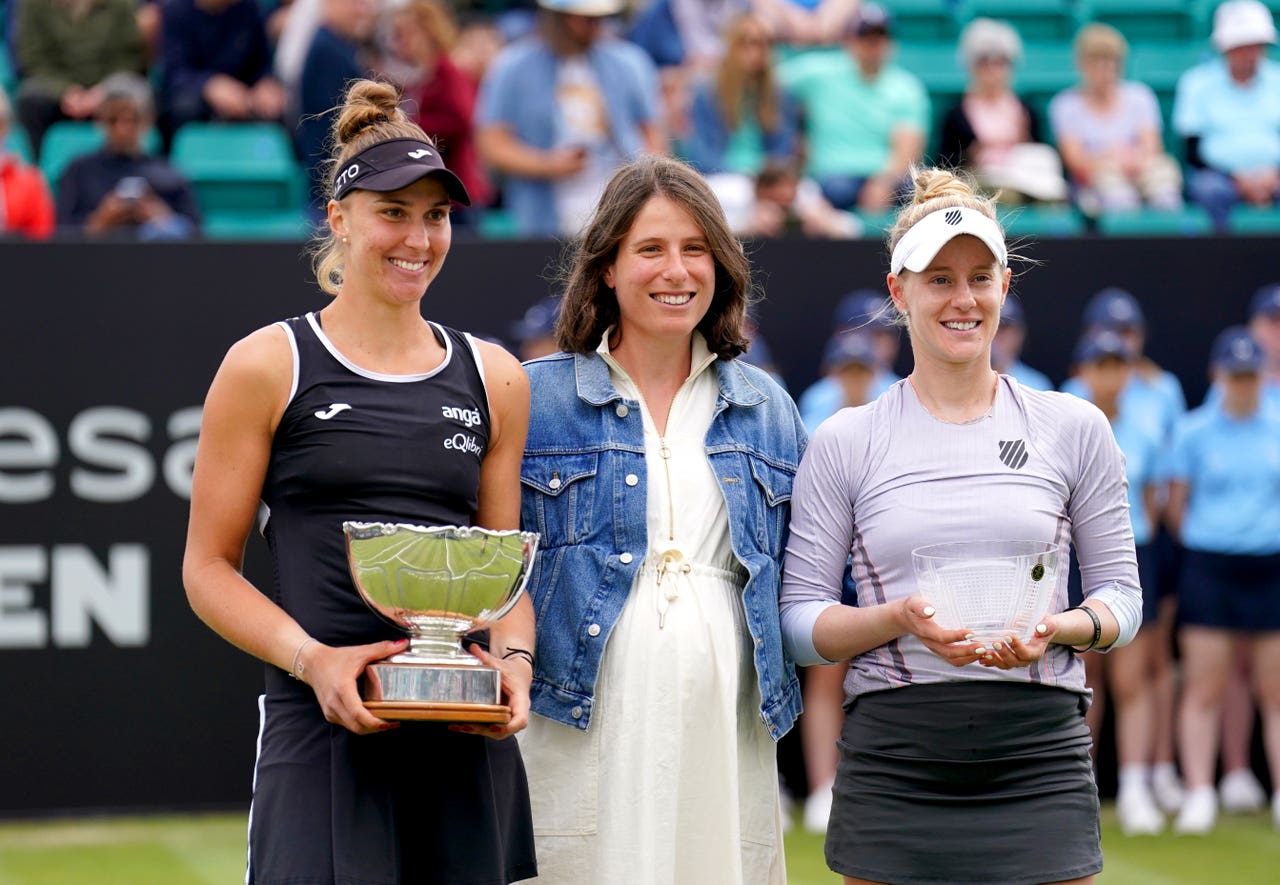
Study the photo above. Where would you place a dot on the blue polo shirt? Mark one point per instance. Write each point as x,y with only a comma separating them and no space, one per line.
1232,466
1155,403
824,397
1238,124
1029,377
1141,459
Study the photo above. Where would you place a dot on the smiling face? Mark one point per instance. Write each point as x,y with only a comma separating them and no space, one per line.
396,242
663,275
953,305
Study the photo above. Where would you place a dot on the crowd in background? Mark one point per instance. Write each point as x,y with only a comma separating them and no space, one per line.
796,110
799,117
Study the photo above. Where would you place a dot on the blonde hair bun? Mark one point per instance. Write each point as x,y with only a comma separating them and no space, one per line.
369,103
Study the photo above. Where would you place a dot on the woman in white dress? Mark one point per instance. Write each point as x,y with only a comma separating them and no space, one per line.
658,471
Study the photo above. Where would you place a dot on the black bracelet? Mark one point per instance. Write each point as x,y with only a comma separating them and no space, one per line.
521,653
1097,628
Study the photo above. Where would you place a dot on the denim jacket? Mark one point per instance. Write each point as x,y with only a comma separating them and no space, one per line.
584,485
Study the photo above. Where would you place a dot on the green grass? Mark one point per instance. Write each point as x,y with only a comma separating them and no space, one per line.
210,850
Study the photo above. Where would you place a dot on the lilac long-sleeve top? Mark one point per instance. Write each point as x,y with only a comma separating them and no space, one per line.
879,480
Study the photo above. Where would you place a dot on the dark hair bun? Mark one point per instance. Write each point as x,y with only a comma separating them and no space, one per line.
368,103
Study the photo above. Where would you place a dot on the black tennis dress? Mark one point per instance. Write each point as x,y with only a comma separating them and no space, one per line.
417,804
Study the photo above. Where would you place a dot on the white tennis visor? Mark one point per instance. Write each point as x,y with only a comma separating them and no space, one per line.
927,236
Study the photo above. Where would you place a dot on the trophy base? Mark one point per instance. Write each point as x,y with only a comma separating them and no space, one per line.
410,711
402,690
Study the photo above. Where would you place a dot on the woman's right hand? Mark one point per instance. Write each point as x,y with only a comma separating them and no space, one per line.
332,672
952,645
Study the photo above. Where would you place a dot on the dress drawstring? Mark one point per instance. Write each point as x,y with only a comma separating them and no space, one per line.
670,568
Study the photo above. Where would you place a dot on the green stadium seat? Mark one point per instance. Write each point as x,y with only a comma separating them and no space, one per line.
875,225
1045,70
1144,20
66,140
923,20
498,224
1043,20
18,143
936,64
257,225
1255,220
1147,222
1041,221
1160,65
239,167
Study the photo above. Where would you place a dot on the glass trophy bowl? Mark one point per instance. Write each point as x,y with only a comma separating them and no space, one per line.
437,584
994,589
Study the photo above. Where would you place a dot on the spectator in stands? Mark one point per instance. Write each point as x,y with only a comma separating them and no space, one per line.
1264,325
1108,131
119,189
862,312
217,64
741,118
1130,675
1006,348
439,96
561,110
1224,470
992,131
1226,109
534,333
340,52
808,23
865,119
1153,396
26,207
64,50
783,203
685,33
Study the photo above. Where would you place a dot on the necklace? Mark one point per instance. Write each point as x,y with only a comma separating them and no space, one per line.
986,408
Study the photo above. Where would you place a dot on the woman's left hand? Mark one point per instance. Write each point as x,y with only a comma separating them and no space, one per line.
517,677
1012,652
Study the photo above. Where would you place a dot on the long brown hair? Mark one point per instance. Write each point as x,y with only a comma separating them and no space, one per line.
736,88
590,306
370,114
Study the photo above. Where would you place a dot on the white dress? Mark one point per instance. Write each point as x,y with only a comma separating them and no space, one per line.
675,782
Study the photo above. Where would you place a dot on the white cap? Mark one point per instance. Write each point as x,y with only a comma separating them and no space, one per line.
592,8
1239,23
925,239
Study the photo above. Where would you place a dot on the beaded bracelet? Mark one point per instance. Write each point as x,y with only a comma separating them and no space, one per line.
1097,628
519,653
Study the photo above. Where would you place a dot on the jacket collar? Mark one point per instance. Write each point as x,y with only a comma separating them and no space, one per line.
591,373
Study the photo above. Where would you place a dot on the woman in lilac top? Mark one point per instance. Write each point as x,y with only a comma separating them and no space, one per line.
960,760
1108,131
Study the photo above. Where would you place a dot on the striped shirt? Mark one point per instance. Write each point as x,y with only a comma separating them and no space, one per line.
880,480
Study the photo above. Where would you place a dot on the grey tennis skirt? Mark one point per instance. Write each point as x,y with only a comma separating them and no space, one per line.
965,782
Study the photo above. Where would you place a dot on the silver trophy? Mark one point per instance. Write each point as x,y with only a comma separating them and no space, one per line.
994,589
437,584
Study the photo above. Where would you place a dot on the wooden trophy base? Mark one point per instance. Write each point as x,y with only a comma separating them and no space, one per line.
423,711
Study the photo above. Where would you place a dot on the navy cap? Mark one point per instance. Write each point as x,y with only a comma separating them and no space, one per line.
1114,308
539,321
1266,301
870,18
1101,345
863,308
396,163
1011,312
847,348
1236,351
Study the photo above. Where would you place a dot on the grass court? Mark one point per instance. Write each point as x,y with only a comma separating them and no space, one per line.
210,850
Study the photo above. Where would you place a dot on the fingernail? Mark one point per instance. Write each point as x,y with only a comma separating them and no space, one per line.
928,611
988,658
980,650
1042,629
970,636
997,645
